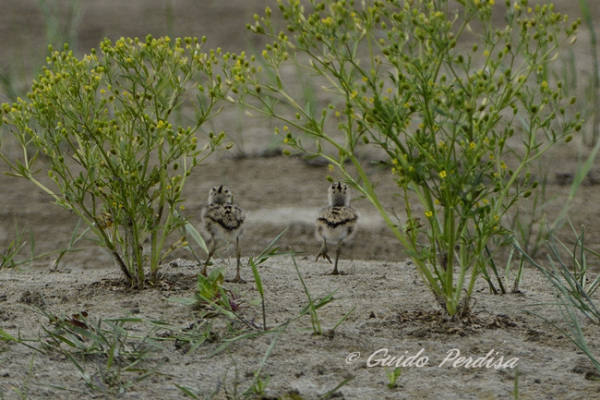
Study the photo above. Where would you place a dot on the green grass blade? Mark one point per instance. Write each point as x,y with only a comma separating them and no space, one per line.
7,337
257,279
187,392
343,318
195,235
271,250
335,389
264,359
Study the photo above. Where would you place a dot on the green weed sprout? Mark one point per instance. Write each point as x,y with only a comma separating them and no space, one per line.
112,343
393,376
118,131
458,105
260,385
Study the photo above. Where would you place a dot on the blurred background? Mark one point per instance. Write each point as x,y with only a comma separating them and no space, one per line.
277,192
28,26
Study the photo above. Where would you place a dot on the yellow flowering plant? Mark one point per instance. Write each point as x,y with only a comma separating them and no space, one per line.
119,131
449,95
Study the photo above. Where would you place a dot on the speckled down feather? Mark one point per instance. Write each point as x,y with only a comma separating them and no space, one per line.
227,216
336,223
337,215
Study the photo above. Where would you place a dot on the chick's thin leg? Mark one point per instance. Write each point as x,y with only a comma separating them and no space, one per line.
238,255
338,251
323,251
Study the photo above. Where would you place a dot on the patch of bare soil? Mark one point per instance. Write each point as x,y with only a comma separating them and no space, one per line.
393,315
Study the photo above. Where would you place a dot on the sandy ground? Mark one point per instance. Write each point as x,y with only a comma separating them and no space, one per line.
392,308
